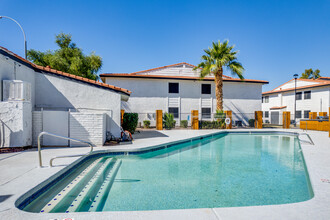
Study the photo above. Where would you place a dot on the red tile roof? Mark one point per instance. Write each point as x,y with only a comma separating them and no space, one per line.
319,82
138,75
163,67
57,72
277,107
127,75
324,78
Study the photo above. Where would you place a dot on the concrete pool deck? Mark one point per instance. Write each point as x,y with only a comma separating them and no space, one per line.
20,173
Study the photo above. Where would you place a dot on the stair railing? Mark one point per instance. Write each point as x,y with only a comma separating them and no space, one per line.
61,137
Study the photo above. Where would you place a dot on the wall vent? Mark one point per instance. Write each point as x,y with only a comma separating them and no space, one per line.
16,90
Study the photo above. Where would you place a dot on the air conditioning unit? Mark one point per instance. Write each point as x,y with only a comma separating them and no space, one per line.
16,90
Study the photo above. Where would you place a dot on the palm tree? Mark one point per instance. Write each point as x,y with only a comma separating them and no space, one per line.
216,58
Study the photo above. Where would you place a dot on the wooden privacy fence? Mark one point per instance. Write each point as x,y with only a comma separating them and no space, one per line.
258,119
323,114
313,124
286,119
312,115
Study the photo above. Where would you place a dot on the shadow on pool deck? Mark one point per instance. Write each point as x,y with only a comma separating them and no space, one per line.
4,197
142,134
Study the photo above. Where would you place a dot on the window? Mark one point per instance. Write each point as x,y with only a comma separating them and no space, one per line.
262,99
173,87
298,95
206,88
206,112
298,114
306,113
174,112
266,114
266,100
307,95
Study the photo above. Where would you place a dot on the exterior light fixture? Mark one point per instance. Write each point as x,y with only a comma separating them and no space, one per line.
25,44
295,76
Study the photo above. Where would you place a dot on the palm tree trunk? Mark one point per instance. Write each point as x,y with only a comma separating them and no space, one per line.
218,89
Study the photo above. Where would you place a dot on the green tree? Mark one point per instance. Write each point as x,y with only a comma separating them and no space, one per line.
68,58
217,57
310,74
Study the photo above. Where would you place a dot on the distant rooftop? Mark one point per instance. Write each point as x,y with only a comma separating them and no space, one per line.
180,71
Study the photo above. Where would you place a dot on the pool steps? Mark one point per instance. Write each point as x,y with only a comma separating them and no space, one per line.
86,192
95,180
58,198
103,192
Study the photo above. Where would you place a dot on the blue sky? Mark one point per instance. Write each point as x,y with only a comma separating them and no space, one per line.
276,39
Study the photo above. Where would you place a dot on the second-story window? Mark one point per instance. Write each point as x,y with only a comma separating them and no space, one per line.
266,99
206,88
307,95
173,87
298,95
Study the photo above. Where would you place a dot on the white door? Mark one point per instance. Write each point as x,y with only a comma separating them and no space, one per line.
55,122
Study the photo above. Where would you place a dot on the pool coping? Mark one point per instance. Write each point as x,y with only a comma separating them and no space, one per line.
214,211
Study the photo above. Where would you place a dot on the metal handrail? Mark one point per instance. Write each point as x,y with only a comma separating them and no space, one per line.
310,139
77,155
62,137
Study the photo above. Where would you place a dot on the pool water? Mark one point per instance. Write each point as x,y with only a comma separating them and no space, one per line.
227,170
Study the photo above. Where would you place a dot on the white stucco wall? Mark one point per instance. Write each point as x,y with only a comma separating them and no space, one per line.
12,70
152,94
15,124
56,92
59,93
319,102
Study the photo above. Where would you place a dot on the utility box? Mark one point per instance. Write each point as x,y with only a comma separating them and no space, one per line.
16,90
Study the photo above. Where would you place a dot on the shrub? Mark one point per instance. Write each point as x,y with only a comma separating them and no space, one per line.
130,122
219,115
168,121
251,123
184,123
146,124
219,124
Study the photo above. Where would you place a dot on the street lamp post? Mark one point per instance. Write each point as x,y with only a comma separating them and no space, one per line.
295,76
25,44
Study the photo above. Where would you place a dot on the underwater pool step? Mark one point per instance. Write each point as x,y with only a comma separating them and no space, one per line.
86,194
98,202
58,198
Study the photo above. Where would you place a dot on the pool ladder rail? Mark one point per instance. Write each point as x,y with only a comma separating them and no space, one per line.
61,137
310,139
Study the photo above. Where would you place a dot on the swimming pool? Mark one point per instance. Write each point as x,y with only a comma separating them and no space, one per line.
221,170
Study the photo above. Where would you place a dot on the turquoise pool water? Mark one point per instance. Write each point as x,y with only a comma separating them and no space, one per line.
222,171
